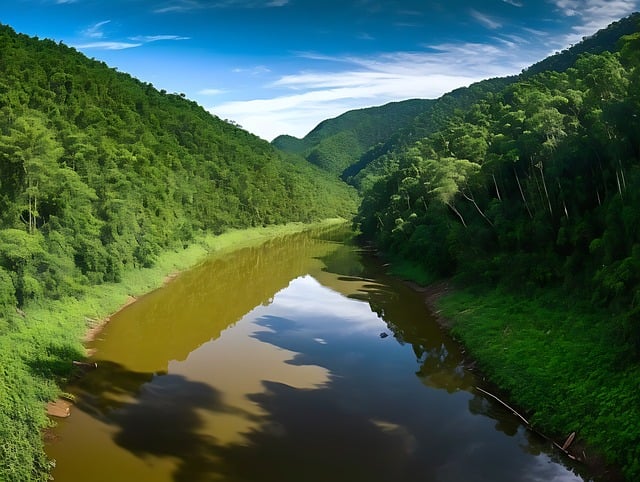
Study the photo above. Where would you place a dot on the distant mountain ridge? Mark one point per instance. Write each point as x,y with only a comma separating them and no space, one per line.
322,146
336,143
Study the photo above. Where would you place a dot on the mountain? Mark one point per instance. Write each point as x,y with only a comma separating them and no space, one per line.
531,195
337,143
101,171
334,146
604,40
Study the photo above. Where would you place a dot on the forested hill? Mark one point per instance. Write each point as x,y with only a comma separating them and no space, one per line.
604,40
336,144
532,192
535,184
99,172
355,147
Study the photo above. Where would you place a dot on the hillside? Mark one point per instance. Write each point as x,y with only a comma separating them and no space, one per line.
337,143
110,171
333,144
99,174
605,40
530,196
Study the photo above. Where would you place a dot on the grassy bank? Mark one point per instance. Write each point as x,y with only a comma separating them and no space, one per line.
37,346
559,360
555,357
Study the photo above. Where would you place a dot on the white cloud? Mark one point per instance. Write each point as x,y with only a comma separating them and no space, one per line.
592,15
515,3
156,38
211,91
257,70
108,45
314,96
485,20
95,31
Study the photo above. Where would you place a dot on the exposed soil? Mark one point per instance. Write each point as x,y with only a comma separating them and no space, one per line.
97,326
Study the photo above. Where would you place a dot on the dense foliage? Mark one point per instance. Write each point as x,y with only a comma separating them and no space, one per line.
336,144
534,189
99,174
536,185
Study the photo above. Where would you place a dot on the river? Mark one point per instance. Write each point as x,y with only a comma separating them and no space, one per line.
298,360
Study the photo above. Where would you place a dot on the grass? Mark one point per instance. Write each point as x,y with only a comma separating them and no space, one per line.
36,348
561,361
411,271
557,358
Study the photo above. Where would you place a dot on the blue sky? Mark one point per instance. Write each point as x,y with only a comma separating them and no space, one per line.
282,66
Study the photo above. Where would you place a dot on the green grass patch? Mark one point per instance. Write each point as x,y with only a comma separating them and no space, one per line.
559,360
411,271
37,348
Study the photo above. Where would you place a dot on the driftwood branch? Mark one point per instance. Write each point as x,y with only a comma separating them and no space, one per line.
513,410
563,448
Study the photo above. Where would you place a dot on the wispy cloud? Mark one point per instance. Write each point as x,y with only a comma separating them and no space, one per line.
156,38
592,15
176,6
515,3
95,30
94,38
180,6
365,36
257,70
485,20
312,95
211,91
106,45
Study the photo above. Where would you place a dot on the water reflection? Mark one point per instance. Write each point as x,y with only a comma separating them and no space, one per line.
171,322
268,365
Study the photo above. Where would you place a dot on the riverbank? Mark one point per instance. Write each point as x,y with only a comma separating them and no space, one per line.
558,361
38,345
555,358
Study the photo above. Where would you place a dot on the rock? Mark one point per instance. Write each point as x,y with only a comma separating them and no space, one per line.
60,408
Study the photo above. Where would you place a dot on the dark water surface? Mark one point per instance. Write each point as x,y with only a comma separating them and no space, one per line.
268,364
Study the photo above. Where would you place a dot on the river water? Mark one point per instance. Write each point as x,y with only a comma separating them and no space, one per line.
297,360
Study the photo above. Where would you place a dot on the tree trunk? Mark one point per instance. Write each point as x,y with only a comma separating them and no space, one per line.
453,208
524,200
472,200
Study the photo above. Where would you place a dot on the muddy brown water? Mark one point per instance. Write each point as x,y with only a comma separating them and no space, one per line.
298,360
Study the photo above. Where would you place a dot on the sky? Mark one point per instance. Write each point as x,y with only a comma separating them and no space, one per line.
282,66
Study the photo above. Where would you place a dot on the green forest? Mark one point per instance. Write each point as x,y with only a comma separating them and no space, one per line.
99,174
525,191
532,186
